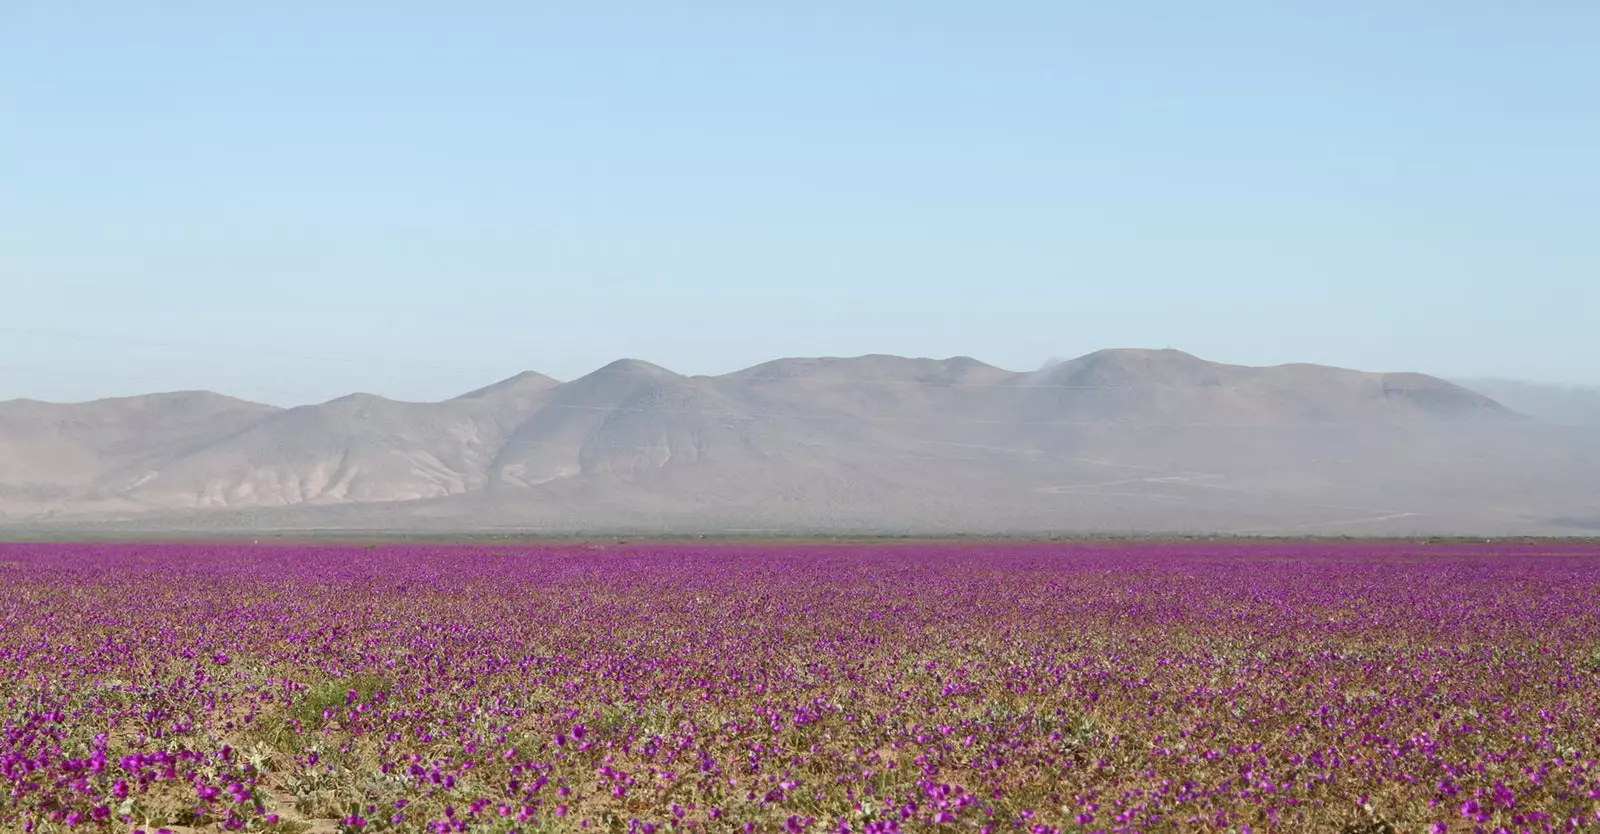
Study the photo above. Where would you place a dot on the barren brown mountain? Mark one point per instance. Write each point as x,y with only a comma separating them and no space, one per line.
1116,441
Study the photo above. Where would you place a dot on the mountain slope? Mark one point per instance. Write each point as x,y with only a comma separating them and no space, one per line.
1569,405
355,448
1169,385
623,419
1118,440
53,456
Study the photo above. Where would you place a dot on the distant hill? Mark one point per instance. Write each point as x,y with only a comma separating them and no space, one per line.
1572,405
1116,441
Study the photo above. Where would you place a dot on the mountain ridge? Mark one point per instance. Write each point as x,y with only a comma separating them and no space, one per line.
628,365
1128,439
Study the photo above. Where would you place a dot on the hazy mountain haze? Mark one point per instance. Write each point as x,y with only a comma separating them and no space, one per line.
1572,405
350,219
1124,440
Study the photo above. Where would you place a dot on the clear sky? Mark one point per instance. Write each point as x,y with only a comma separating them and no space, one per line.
293,200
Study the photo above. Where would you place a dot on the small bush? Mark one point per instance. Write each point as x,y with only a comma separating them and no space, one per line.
335,695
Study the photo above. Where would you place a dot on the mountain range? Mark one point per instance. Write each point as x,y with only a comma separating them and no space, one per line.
1118,441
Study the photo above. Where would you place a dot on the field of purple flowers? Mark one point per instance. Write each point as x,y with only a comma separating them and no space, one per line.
643,688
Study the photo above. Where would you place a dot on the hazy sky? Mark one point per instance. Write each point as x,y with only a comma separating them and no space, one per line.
292,200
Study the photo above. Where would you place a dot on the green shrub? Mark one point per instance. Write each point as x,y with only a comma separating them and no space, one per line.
334,694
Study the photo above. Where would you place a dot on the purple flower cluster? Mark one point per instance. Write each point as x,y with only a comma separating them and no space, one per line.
801,688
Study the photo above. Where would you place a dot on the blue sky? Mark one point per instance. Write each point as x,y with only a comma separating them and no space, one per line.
294,200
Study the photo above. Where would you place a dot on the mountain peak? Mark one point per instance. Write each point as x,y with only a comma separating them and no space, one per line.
1136,367
634,367
1171,355
359,398
879,367
527,382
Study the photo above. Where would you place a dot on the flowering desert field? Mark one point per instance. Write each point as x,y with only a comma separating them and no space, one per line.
1138,686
